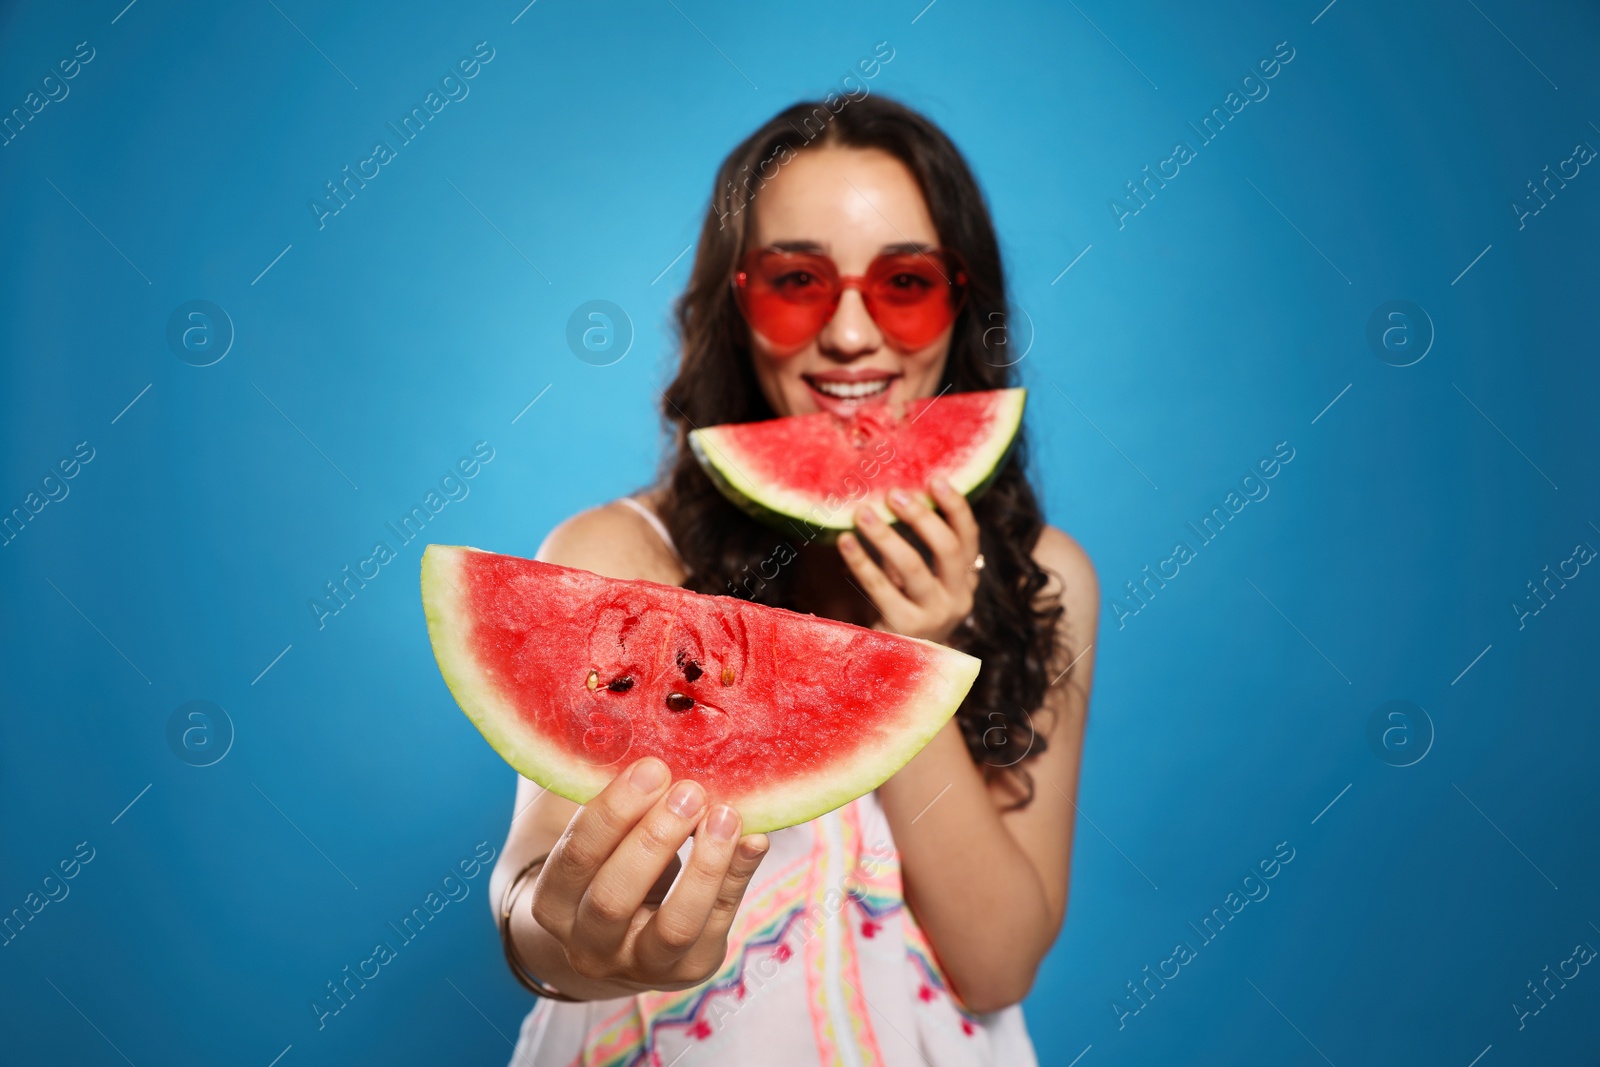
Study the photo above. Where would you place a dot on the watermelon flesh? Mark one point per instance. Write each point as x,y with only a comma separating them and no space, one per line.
819,468
571,677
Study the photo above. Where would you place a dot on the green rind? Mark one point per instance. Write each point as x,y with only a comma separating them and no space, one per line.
799,800
495,719
807,531
790,802
781,508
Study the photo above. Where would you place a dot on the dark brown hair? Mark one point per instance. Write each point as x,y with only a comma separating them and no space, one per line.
1011,630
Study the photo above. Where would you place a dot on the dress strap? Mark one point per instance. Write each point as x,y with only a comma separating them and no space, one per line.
655,523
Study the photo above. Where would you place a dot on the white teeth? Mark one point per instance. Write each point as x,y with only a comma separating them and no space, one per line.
851,390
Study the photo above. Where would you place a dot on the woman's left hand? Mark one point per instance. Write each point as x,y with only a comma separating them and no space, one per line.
916,600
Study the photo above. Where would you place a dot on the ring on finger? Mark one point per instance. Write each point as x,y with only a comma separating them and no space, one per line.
977,564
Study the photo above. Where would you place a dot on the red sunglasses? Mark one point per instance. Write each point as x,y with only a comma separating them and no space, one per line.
788,297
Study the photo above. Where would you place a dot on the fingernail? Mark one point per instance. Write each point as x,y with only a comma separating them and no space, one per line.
648,776
899,497
723,823
940,485
866,517
686,799
750,850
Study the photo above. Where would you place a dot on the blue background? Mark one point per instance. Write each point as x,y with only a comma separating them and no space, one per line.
1177,351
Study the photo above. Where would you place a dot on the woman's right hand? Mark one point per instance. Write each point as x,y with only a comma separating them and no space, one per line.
591,894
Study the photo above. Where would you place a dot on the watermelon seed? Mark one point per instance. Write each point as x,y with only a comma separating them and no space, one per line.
594,681
690,668
621,685
679,702
727,676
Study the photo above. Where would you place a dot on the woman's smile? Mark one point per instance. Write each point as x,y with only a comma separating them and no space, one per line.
844,392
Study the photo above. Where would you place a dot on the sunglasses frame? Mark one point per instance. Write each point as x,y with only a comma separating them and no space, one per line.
946,260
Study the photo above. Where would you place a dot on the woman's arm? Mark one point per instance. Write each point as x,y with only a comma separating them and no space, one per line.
537,823
990,888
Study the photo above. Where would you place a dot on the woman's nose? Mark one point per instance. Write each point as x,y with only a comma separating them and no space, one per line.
851,333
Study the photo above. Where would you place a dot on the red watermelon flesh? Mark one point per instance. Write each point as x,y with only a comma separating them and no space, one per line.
820,468
571,676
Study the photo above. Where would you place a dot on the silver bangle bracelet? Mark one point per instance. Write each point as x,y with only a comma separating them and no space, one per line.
532,984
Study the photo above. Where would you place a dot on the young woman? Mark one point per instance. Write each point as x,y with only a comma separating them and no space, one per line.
905,927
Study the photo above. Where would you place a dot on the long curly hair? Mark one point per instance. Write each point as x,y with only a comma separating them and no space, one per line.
727,552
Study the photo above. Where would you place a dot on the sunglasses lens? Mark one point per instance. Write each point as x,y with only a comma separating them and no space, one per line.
788,297
912,297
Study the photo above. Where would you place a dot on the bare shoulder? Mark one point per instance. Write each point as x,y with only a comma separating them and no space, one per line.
1073,580
1072,574
614,540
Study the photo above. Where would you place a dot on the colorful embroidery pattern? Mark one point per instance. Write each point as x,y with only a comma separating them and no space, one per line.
933,980
839,1013
761,926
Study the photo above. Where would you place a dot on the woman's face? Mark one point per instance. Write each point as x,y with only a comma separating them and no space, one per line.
850,204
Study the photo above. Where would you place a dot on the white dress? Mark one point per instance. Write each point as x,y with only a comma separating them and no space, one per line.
826,965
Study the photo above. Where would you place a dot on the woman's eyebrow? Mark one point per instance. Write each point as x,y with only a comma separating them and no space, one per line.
799,246
900,248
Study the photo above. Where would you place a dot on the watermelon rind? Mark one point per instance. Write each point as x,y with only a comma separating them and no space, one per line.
794,800
449,628
782,507
803,798
809,529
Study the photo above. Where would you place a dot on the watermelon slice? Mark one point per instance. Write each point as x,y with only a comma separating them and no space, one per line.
820,468
571,677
